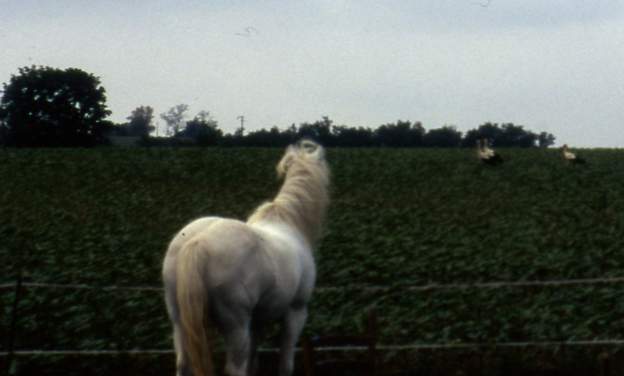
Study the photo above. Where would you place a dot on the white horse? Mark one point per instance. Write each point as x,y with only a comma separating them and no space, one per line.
235,276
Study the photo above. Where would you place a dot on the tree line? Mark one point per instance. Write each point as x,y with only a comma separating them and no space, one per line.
44,106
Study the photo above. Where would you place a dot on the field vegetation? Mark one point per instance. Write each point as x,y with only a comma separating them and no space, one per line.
398,218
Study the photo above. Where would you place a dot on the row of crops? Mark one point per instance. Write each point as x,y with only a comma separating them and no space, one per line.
398,218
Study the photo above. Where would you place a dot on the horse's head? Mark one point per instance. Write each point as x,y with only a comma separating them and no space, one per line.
304,151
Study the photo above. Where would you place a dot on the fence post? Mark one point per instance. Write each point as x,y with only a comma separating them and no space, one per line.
604,363
13,328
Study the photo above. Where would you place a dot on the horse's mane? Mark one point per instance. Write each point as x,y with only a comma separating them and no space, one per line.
303,198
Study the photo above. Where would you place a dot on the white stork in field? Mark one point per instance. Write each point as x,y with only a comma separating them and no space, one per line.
571,157
487,155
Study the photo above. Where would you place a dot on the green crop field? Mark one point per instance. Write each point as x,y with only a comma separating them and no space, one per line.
398,218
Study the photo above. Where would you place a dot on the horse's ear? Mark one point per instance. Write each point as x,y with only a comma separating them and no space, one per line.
311,148
319,152
286,161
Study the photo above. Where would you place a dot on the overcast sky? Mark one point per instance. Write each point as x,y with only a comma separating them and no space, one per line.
550,65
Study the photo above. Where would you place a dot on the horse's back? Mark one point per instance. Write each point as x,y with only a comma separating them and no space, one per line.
261,267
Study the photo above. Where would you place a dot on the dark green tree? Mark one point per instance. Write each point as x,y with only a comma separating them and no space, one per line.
203,129
507,135
319,131
345,136
45,106
488,130
268,138
445,137
141,122
516,136
401,134
4,132
174,118
545,139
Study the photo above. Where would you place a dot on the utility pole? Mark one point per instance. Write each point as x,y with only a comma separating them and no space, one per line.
242,127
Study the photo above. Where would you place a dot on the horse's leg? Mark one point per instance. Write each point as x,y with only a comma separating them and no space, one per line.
256,335
292,327
235,324
238,343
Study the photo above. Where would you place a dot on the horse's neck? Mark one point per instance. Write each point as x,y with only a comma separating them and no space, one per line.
307,199
282,231
300,204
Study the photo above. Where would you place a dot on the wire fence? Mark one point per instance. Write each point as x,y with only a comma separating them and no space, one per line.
19,285
382,347
369,288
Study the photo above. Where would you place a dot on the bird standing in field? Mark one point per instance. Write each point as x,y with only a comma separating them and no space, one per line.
571,157
486,154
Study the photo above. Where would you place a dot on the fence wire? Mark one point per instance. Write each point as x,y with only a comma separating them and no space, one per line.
382,347
321,289
370,288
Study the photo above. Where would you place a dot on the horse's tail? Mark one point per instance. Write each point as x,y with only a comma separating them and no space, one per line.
193,305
